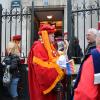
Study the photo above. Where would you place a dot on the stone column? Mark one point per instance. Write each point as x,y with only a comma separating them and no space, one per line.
65,17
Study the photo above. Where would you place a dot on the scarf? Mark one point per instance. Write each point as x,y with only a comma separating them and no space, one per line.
96,62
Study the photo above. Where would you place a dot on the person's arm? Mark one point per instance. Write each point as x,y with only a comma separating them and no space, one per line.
86,90
4,62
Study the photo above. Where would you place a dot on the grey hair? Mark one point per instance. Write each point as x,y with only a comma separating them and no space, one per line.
92,30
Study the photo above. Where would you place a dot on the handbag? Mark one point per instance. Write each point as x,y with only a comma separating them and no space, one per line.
7,76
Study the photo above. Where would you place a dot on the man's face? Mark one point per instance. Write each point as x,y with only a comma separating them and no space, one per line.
51,37
90,37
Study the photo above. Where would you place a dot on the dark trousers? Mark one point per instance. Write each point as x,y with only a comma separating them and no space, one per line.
1,88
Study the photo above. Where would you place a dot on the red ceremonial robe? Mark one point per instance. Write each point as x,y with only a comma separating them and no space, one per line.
40,78
86,90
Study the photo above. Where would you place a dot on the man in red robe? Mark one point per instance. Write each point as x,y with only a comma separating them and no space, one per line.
88,85
43,73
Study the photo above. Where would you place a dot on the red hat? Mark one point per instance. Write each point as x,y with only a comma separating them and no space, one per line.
50,28
17,37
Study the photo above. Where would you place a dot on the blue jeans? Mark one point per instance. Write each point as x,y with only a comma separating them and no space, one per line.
13,87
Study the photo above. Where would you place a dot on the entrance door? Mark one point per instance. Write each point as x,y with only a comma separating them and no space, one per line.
51,16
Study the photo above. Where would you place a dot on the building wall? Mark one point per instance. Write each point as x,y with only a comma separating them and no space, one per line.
5,3
27,3
7,6
50,2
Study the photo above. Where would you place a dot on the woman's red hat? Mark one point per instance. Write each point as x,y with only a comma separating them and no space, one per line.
17,37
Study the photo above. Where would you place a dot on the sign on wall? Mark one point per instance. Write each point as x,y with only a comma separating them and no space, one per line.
15,3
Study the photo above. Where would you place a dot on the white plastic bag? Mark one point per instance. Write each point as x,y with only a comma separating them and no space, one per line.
62,61
7,76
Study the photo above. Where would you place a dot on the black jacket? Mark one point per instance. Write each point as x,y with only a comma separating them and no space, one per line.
14,62
1,71
90,47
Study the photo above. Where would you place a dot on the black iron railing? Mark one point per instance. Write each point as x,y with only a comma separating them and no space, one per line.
16,21
85,10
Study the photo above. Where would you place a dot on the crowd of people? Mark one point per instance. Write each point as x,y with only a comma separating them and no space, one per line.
47,66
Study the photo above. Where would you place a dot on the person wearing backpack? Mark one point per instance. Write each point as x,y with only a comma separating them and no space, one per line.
13,61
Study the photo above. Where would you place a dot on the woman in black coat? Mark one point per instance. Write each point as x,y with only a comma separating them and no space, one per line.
12,59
